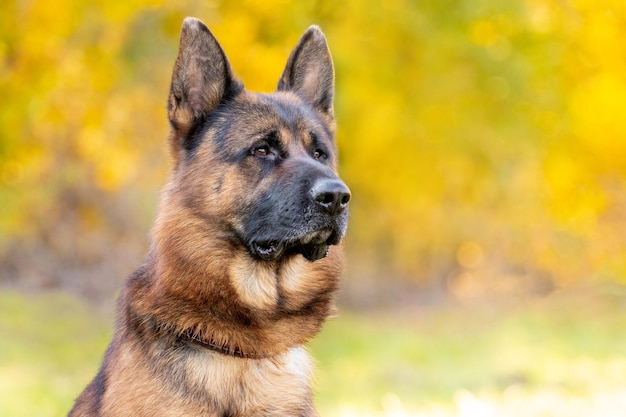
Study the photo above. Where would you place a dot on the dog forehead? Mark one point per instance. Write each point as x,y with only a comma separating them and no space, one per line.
277,111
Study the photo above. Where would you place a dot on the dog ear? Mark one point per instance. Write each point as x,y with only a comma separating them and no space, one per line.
309,71
201,80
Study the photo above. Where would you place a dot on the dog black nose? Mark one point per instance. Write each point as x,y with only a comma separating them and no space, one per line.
331,194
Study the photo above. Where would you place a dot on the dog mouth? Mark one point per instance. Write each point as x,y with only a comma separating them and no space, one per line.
313,246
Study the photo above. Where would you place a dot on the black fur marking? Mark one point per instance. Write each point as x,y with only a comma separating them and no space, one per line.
200,127
273,140
195,135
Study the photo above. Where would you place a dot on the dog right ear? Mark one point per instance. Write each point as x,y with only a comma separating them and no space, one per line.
309,72
201,80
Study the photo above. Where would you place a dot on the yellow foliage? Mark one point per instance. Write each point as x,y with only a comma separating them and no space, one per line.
499,123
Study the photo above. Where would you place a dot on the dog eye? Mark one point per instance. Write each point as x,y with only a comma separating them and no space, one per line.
319,154
261,151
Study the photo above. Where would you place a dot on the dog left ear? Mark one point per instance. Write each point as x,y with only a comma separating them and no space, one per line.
309,71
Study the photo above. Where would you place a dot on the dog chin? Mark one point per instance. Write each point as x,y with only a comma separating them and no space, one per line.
313,246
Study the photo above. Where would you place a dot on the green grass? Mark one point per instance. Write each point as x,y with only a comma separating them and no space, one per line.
532,361
50,346
557,357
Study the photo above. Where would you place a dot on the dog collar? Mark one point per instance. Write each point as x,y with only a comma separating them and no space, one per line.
223,348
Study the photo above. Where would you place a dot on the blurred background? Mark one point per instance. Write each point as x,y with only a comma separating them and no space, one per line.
485,145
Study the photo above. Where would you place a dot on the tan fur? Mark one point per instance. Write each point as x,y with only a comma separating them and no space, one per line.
278,384
244,261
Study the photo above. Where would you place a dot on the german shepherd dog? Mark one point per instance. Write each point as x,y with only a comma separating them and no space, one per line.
244,259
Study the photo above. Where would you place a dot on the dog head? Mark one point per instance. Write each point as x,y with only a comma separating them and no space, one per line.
260,169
